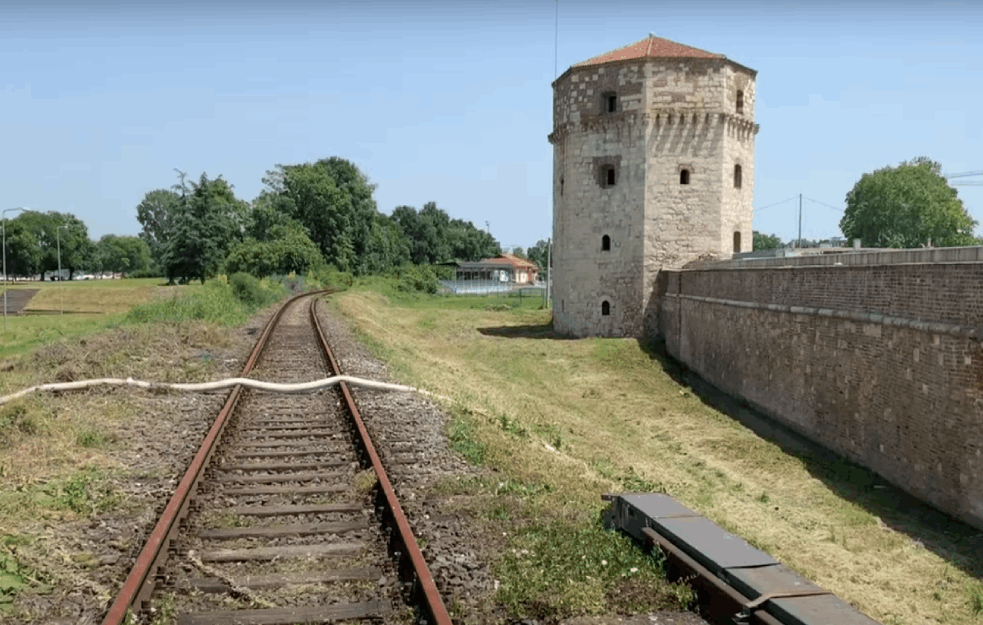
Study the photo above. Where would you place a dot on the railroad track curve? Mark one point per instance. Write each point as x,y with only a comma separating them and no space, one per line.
285,515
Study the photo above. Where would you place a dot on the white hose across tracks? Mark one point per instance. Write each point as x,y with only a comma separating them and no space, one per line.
301,387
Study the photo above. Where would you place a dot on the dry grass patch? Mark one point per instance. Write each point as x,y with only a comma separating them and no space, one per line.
108,297
594,415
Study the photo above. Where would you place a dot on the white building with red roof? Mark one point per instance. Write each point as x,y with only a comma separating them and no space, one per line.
653,166
507,268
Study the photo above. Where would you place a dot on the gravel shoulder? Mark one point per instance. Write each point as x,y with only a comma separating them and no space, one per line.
75,557
76,562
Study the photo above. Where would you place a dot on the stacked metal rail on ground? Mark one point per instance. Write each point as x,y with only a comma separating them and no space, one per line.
735,582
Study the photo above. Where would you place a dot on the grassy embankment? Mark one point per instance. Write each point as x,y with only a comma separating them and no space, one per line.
567,420
57,451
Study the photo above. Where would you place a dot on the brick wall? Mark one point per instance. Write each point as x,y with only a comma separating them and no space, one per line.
881,363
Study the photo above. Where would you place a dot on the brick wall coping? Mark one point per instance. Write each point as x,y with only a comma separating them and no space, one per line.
900,322
934,255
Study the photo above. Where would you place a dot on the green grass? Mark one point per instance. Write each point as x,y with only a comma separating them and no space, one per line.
559,570
494,302
89,307
585,417
215,301
84,492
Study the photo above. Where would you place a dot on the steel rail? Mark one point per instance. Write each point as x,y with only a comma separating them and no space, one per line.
412,566
139,583
720,602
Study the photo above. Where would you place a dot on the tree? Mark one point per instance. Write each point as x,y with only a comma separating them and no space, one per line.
156,214
539,254
53,232
763,241
122,254
905,207
387,248
333,200
23,251
436,238
470,243
285,248
207,222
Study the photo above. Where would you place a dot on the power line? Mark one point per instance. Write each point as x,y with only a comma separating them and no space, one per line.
761,208
824,204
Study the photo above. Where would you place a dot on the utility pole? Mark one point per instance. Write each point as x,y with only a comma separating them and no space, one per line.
61,292
549,275
800,222
556,40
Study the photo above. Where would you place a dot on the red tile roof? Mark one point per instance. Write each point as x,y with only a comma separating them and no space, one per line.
506,259
651,47
519,262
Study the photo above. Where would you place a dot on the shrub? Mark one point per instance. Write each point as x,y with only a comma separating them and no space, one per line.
216,302
327,276
251,292
417,279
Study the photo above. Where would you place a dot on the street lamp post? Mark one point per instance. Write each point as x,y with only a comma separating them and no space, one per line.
3,226
61,298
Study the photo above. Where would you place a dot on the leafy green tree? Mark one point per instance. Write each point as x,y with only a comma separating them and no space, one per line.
24,253
286,248
387,248
56,232
539,254
762,241
905,207
333,200
436,238
208,221
156,214
122,254
469,243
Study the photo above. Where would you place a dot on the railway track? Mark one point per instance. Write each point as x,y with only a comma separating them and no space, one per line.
286,514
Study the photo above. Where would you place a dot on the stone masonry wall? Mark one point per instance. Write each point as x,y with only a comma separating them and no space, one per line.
671,114
700,130
881,363
588,139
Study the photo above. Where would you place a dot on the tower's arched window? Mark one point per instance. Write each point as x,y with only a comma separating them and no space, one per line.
737,176
609,102
605,243
607,176
605,308
740,101
683,176
737,241
561,186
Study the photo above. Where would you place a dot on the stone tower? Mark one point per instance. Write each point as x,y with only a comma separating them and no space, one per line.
653,166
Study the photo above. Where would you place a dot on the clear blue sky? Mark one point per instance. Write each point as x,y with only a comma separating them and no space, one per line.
451,101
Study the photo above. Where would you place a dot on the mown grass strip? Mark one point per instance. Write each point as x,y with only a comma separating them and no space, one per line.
593,415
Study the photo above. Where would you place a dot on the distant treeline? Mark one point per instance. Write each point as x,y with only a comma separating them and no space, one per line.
307,217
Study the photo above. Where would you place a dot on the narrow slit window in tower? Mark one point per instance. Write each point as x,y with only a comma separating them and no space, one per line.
605,308
607,176
561,186
737,241
610,103
737,176
684,176
605,243
740,101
